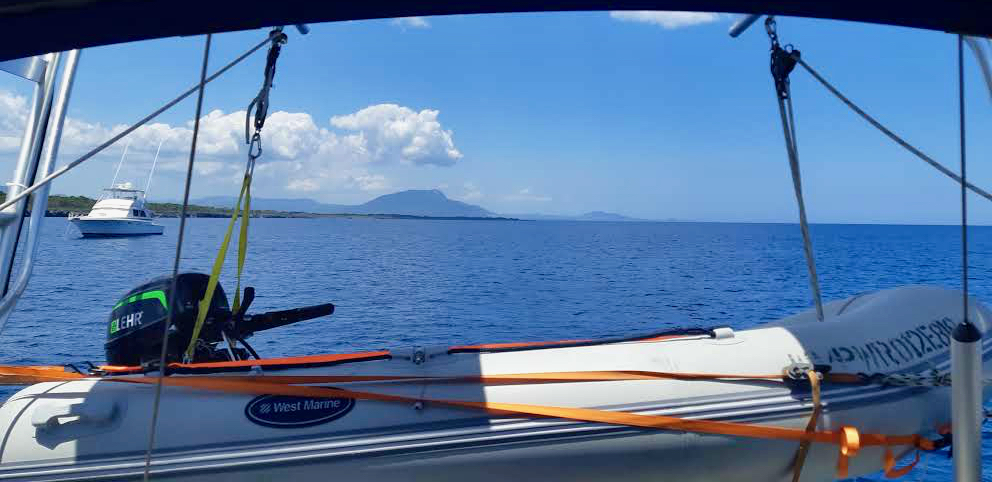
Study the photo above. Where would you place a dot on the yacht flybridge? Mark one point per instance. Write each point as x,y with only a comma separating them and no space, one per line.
121,211
842,389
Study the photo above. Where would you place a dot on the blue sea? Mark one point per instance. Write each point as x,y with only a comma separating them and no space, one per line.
397,283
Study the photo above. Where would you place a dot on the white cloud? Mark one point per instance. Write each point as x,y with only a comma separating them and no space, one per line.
297,153
471,192
207,168
370,182
390,131
411,22
13,115
526,195
303,185
668,20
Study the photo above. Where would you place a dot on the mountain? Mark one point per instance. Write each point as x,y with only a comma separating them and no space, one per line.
421,203
424,202
413,202
302,205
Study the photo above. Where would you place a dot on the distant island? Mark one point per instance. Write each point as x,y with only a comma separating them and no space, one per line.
414,202
410,204
590,216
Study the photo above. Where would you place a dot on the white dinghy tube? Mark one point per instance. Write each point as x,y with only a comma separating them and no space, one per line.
900,332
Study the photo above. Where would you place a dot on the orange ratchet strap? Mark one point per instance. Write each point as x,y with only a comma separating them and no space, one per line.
302,361
26,375
18,375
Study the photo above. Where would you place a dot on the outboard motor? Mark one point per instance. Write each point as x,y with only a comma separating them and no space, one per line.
134,334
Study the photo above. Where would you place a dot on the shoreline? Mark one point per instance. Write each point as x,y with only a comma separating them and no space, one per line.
300,215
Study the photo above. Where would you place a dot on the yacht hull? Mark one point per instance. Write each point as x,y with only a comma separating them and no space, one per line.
94,228
215,436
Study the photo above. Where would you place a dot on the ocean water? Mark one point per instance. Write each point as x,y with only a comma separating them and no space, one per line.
397,283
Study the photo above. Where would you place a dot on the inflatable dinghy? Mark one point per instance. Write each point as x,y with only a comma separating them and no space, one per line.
696,405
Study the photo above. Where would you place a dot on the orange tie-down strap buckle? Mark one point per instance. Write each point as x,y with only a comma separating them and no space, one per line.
848,439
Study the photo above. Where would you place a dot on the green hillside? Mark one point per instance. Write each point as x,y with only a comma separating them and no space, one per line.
62,206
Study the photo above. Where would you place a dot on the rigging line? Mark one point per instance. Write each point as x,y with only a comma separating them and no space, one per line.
783,61
982,57
891,135
788,128
96,150
797,183
148,183
175,265
120,163
964,179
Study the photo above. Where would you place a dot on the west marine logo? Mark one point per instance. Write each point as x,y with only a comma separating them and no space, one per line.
284,411
125,322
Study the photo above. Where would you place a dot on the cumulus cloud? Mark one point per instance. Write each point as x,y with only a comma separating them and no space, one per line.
13,115
667,20
411,22
370,182
390,131
470,192
526,195
303,185
298,154
208,168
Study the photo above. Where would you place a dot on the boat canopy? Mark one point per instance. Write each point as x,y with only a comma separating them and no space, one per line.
121,189
42,26
118,192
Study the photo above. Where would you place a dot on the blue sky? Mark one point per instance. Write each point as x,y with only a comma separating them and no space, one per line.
654,116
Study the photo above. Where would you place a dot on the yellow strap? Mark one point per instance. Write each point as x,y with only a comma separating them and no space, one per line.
242,245
201,314
797,465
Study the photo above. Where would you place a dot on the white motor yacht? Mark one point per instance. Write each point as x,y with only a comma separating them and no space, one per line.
120,212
